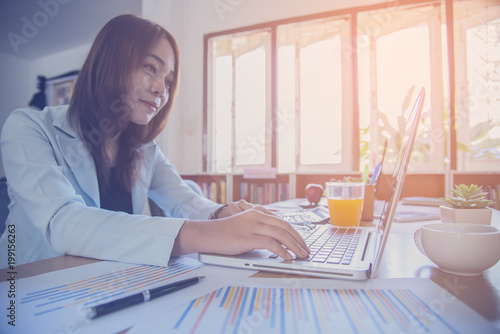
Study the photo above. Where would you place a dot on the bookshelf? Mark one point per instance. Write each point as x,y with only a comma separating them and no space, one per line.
261,190
225,188
214,186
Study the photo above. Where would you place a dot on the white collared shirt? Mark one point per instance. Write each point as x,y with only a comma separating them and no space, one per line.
55,197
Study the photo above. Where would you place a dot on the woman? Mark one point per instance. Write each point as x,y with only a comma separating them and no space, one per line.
79,176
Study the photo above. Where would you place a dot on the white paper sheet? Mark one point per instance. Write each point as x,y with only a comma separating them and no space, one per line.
322,306
56,302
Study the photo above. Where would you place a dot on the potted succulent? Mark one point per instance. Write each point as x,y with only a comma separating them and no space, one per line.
469,205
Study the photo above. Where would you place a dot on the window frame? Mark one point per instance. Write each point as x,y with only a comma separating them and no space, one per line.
451,151
349,138
348,102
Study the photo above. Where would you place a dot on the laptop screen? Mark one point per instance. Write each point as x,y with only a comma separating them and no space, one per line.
397,180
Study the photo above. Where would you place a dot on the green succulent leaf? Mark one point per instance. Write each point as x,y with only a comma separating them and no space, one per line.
468,197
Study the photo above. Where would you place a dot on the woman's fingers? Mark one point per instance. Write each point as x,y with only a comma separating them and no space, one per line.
264,210
244,205
294,243
273,220
235,208
239,233
257,223
243,226
263,242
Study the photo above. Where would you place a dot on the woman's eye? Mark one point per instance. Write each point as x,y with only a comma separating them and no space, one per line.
150,68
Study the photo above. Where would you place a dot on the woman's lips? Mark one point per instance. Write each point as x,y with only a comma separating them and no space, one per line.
153,106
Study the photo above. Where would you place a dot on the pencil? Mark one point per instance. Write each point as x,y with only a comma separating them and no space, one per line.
141,297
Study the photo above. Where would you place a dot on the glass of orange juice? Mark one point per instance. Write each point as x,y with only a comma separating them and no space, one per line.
345,202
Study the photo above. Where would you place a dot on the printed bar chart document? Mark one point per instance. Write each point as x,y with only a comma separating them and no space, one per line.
58,301
322,306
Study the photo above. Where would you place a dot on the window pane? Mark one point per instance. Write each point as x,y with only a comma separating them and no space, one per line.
310,99
238,114
399,72
321,103
250,106
394,62
286,109
477,49
222,118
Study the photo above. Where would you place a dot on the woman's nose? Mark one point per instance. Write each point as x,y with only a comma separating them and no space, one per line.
158,87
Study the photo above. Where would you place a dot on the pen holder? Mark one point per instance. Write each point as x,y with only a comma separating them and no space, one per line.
368,202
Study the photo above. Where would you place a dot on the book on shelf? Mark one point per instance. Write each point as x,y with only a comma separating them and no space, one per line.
215,191
263,193
223,192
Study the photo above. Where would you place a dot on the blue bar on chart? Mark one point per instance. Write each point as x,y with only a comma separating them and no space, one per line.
239,309
102,288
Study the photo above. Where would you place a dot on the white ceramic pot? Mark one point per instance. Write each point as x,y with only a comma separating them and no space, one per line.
466,216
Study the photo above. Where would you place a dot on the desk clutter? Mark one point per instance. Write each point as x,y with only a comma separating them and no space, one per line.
422,201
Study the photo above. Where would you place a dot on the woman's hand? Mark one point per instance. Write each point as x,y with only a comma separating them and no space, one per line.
242,227
240,206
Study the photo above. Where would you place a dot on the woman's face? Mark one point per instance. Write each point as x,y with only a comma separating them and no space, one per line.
151,83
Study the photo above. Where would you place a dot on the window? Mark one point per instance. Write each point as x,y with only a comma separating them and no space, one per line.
477,59
325,92
240,113
394,61
310,96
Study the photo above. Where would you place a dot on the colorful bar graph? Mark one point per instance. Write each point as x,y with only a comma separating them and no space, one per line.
300,310
102,288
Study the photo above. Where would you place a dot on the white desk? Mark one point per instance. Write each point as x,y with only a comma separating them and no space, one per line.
401,260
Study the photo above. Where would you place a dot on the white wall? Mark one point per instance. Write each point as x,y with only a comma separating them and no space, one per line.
19,78
168,13
14,91
59,63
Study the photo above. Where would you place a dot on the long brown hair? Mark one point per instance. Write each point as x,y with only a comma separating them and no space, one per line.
97,108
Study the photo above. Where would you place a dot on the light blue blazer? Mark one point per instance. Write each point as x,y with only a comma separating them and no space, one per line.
55,203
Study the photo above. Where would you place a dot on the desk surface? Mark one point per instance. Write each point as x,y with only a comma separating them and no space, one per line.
401,260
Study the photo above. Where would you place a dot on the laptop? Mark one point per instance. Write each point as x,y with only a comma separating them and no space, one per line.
336,252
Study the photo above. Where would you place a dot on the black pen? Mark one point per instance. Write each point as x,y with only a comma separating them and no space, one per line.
141,297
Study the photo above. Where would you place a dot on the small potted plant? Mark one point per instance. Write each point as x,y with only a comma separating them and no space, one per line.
469,205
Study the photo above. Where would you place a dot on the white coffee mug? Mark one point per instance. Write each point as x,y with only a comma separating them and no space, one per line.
460,249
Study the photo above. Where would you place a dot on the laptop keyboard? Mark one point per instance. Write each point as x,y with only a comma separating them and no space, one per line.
333,245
